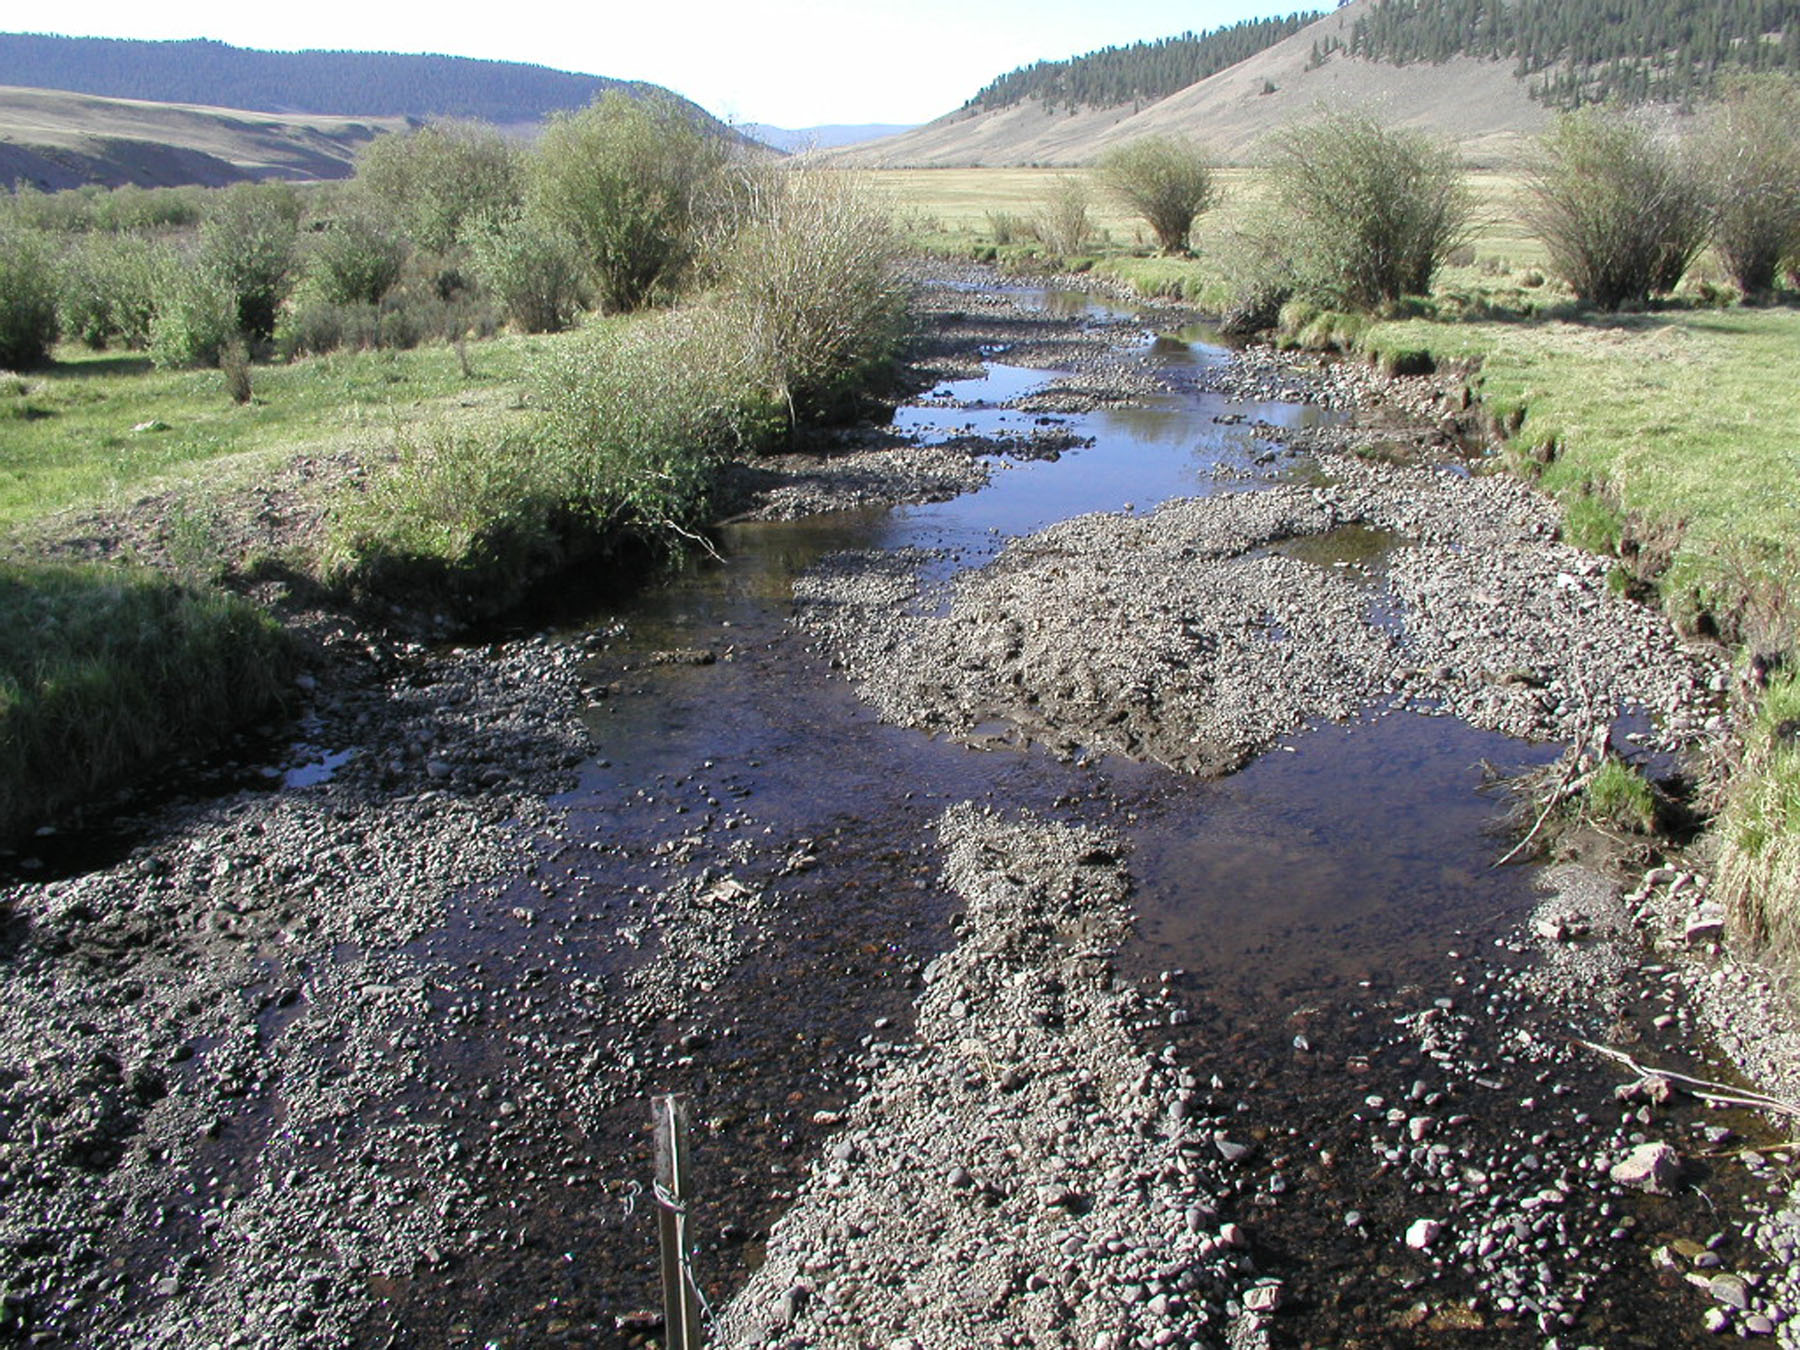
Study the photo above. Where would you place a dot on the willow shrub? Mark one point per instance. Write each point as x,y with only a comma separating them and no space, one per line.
1619,210
1749,158
1364,213
810,279
1167,180
28,295
636,184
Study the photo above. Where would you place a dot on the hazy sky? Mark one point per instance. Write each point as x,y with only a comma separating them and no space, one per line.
791,63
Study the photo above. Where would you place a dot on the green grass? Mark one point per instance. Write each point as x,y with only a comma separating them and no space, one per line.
1687,422
76,445
104,669
1759,866
1618,797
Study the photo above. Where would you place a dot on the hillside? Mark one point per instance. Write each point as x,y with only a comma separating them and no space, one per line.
52,140
1484,74
1481,105
347,84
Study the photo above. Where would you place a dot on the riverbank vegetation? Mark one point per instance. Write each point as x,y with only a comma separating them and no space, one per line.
433,385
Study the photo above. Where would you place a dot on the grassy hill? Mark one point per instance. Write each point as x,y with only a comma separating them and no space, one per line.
114,111
346,84
52,140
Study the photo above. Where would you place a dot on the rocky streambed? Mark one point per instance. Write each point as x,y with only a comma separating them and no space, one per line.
893,839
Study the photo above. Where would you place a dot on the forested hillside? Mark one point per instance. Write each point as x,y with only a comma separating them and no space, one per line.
1583,51
1140,73
364,84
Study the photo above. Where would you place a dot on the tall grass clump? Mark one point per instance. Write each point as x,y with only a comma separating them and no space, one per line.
1749,155
1759,866
1167,180
811,281
636,184
638,415
1365,213
104,670
28,294
1063,222
1619,210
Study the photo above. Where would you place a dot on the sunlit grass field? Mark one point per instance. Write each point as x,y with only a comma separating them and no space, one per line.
98,427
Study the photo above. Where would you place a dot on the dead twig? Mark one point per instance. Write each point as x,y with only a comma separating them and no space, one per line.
1718,1094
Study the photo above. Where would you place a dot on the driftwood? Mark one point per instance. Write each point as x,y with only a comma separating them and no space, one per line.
1716,1094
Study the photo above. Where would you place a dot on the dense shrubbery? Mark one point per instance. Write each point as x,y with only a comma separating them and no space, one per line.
1751,159
1363,213
28,322
1619,210
637,185
436,181
356,260
110,285
1166,180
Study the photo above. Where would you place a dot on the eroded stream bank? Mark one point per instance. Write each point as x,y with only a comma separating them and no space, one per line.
1006,1033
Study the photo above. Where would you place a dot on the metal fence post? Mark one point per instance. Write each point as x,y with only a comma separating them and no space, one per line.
681,1293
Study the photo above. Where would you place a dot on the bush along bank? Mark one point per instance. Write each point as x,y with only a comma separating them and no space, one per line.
632,418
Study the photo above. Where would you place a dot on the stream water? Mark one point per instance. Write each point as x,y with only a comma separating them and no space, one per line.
1349,859
738,784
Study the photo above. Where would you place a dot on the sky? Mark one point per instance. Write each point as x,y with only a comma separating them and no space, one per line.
788,63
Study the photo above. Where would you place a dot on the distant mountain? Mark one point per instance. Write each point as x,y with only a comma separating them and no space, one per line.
793,141
353,84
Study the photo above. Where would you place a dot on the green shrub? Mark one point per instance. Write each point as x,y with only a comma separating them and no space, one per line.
312,326
129,209
248,251
636,184
1165,179
110,285
532,269
195,317
1750,157
639,414
356,260
437,181
1365,213
1619,211
1063,223
813,287
28,290
103,671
